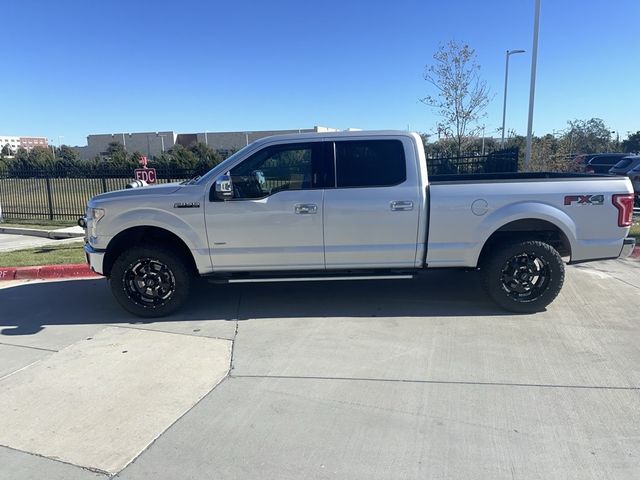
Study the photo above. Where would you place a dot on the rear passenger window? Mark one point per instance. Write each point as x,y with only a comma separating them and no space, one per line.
370,163
624,163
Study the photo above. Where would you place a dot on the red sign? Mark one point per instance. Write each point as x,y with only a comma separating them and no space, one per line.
146,174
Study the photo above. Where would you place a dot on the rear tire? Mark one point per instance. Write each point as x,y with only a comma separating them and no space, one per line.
523,277
150,281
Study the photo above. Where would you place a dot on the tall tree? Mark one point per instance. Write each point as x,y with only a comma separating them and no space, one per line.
586,136
116,153
206,156
40,157
632,143
461,96
67,154
181,157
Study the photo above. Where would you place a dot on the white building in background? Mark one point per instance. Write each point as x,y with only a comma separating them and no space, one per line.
154,143
12,142
16,142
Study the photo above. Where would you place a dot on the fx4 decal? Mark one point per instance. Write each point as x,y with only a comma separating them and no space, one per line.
584,199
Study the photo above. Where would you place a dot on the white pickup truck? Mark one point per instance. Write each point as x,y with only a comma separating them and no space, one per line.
352,205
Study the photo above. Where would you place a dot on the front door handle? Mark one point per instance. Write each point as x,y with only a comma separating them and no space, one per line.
306,208
401,205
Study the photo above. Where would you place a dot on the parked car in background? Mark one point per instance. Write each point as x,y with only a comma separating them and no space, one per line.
599,162
625,165
634,176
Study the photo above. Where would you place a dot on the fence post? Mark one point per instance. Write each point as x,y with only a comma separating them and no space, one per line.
48,182
104,184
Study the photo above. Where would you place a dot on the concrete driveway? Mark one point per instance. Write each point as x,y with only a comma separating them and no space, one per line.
348,380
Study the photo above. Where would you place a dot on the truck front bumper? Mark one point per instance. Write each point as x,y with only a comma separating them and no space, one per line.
95,258
627,247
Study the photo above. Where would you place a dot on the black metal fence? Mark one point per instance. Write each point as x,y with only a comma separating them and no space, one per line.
500,161
52,194
62,193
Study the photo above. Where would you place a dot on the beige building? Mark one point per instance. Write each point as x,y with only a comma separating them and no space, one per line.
154,143
147,143
226,141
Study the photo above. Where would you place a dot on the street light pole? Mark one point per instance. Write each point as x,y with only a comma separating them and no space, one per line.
532,89
506,80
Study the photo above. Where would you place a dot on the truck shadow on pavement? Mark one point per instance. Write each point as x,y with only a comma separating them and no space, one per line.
26,309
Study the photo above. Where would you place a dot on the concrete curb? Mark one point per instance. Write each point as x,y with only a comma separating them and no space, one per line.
79,270
34,232
635,253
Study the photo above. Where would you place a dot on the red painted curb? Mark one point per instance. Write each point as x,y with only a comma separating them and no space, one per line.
7,273
79,270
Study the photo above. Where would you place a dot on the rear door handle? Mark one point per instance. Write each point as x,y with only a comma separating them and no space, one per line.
306,208
401,205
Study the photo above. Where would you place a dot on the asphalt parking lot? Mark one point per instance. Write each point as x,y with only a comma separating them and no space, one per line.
347,380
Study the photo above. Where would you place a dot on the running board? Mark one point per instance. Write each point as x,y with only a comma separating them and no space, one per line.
319,279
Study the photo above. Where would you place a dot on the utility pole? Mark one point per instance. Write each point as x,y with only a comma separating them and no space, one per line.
504,101
532,89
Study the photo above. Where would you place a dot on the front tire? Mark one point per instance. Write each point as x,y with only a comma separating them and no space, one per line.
150,281
523,277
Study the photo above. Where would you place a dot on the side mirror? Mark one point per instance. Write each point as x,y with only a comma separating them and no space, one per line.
223,188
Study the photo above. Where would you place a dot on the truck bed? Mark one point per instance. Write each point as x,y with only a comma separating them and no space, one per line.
464,210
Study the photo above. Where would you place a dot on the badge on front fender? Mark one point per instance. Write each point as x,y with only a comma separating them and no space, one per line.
186,205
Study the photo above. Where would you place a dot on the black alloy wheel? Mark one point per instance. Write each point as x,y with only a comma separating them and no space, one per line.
525,276
151,281
522,277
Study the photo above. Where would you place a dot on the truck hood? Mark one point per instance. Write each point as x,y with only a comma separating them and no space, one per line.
164,189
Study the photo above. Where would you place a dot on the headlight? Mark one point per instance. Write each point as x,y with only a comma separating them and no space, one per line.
95,214
93,217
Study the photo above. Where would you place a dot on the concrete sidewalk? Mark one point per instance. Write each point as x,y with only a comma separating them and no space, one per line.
351,380
10,243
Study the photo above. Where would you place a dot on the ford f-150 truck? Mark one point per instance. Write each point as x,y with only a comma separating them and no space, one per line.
352,205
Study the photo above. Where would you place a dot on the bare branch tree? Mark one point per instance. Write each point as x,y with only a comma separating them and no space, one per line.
461,95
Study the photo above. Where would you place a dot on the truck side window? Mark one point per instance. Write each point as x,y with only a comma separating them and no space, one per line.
370,163
273,169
